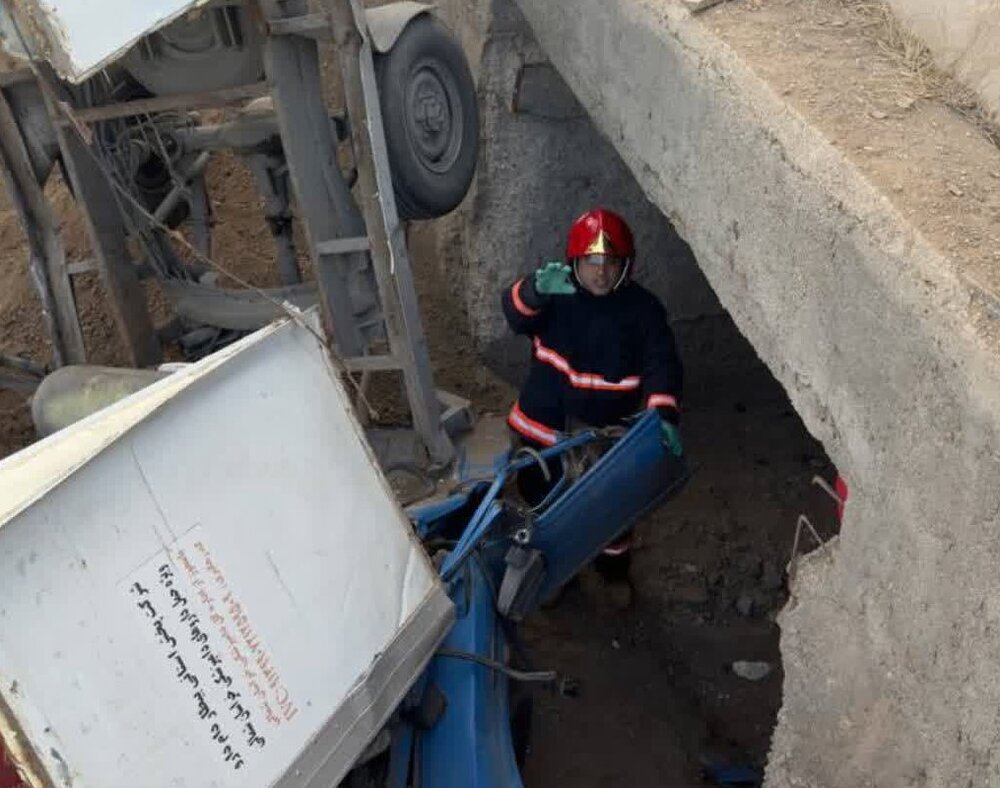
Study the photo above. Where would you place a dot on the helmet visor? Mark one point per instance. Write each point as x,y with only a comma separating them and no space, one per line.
601,259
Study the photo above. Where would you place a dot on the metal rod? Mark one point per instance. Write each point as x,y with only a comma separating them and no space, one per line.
47,255
183,101
310,25
343,245
177,192
200,220
25,365
533,676
372,363
477,528
246,133
16,382
20,374
81,266
272,185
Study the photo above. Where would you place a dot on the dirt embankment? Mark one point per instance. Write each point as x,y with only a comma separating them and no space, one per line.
853,71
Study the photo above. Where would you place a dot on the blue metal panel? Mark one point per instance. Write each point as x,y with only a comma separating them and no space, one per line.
489,511
636,475
470,746
425,517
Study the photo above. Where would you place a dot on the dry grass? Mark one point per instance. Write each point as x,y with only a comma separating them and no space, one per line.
899,45
920,76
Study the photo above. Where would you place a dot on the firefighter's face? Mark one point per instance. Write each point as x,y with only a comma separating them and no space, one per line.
598,273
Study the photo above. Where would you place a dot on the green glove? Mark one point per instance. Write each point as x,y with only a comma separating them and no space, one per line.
553,279
672,438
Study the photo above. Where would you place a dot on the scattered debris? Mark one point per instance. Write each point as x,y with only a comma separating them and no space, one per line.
878,114
752,671
955,190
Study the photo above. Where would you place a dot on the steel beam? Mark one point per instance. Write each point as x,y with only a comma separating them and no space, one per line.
46,255
324,200
389,254
99,205
180,101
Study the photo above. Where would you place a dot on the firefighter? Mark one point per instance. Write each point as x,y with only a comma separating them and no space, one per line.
602,350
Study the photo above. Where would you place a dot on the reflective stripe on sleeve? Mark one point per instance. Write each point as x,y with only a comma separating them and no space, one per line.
530,428
661,401
519,305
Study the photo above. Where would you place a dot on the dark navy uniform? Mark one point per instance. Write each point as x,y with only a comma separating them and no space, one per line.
595,359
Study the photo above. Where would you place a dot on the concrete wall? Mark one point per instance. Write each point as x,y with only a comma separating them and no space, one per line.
964,36
542,164
891,642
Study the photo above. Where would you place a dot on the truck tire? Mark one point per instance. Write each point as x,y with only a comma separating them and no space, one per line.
431,119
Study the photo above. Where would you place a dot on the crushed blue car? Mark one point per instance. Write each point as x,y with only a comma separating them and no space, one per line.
463,725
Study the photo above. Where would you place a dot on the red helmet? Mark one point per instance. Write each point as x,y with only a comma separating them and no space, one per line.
600,232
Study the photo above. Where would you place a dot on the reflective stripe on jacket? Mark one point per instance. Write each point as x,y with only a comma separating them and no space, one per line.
596,359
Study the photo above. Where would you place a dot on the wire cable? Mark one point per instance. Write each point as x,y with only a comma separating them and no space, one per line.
293,313
533,676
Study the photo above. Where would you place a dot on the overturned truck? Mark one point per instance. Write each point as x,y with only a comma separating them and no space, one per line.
132,114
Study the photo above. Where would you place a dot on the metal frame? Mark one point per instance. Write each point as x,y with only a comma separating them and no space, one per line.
325,203
187,101
356,253
389,254
338,233
46,257
102,217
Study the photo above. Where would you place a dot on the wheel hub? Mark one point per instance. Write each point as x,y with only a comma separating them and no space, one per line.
432,126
